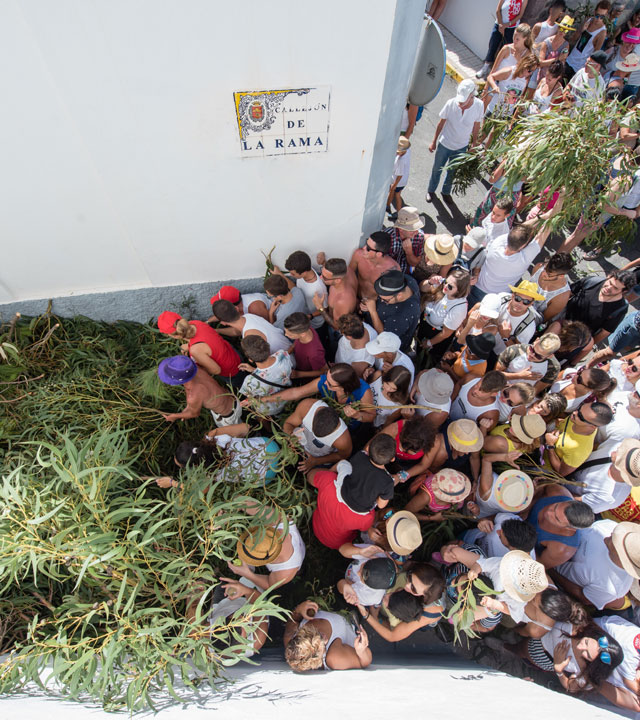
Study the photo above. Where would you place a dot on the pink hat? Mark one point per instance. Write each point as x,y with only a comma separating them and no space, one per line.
631,36
450,486
167,322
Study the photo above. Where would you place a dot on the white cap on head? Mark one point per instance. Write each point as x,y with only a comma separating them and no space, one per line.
475,237
490,305
465,89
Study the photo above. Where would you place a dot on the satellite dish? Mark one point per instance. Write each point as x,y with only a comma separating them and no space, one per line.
430,66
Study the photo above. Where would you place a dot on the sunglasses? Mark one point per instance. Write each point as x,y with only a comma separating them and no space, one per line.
582,418
449,286
535,354
523,301
504,394
632,366
579,375
600,17
605,655
411,585
369,248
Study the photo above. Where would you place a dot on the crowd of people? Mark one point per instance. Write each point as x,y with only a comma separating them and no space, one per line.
427,378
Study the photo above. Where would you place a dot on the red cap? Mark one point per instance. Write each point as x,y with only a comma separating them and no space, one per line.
167,321
227,292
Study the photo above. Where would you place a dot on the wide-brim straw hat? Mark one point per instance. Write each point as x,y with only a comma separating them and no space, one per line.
409,219
626,541
528,428
465,436
259,546
513,490
403,532
628,461
450,486
440,249
403,144
522,577
630,64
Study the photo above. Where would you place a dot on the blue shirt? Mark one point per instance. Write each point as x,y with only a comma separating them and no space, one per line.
357,394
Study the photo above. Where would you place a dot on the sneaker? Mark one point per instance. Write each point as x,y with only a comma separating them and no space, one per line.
429,197
592,254
484,71
232,419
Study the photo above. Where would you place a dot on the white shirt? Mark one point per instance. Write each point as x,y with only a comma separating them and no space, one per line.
366,595
490,543
628,637
546,31
598,489
446,312
309,289
348,354
401,168
491,566
400,359
456,133
523,336
585,87
384,406
623,425
501,270
275,337
494,230
591,567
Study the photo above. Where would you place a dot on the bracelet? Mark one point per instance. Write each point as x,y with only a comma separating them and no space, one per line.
366,617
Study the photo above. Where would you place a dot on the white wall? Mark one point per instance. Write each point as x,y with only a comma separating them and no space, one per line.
471,21
121,161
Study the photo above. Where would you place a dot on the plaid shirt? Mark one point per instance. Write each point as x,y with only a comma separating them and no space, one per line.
397,251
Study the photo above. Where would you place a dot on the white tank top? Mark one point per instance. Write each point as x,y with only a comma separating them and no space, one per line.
309,289
541,305
318,447
489,506
275,337
297,556
340,630
461,408
250,298
429,406
559,385
384,406
546,31
578,58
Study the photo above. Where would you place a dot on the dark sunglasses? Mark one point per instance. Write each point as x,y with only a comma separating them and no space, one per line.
582,418
523,301
505,397
600,17
411,585
535,354
632,365
369,248
449,286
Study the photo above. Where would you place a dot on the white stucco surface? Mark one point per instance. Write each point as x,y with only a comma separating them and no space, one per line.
121,155
273,691
471,21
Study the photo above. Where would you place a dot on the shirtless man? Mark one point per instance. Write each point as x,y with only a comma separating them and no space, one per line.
201,391
342,291
370,261
248,324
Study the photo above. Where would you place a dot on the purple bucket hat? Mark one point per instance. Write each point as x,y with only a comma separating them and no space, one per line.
177,370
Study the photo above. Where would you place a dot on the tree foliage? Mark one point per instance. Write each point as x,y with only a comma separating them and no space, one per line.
97,567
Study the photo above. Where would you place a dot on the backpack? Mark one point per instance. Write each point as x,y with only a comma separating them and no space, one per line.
532,316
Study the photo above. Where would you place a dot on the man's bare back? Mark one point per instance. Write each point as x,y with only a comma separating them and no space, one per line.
204,391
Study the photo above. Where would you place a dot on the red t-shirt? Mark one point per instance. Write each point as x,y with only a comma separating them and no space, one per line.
334,523
309,356
221,351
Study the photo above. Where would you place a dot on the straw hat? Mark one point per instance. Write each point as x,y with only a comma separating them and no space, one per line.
513,490
630,64
403,144
628,461
549,343
626,541
440,249
528,428
435,386
403,532
450,486
567,24
465,436
409,219
259,547
528,289
522,577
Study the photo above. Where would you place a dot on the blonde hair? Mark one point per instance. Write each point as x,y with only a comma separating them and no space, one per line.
305,650
185,330
525,30
526,391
